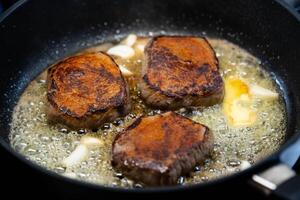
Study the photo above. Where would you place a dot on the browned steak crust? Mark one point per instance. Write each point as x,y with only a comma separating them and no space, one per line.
156,150
86,90
180,72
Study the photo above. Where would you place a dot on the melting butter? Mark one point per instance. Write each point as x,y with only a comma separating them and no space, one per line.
235,147
237,103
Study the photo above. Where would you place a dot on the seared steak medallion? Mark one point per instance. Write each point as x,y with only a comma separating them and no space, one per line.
156,150
84,91
180,71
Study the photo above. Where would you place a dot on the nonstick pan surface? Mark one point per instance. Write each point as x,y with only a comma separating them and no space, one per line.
35,34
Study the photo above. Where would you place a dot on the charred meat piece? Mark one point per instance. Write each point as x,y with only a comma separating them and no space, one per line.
180,71
156,150
86,90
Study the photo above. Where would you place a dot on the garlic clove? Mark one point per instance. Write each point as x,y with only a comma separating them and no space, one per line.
261,92
129,40
70,174
244,164
122,51
125,71
77,156
90,141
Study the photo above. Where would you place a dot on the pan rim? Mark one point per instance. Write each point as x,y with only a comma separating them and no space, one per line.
265,162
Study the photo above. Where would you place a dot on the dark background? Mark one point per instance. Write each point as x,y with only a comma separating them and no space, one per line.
4,4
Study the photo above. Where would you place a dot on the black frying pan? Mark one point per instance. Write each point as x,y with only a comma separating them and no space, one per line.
31,38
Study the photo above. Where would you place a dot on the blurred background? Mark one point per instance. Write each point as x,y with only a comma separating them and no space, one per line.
4,4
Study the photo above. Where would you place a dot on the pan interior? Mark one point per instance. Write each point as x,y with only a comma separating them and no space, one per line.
235,148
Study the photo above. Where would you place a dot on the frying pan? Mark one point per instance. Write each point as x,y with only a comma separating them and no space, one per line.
34,34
